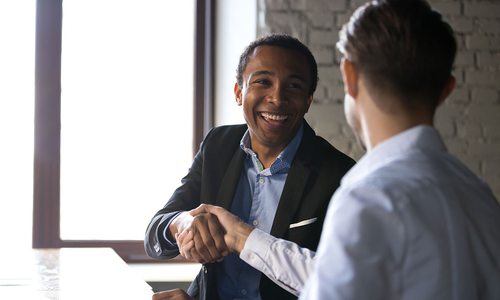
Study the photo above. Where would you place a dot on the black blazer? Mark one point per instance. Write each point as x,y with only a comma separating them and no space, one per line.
314,176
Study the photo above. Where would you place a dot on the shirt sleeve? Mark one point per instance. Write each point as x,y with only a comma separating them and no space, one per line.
284,262
361,249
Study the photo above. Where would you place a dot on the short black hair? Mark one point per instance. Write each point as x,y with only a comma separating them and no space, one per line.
402,46
283,41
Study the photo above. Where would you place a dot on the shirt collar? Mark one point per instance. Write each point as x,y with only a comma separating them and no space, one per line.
421,138
284,159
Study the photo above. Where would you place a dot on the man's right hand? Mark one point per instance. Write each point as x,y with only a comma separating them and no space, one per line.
236,231
206,238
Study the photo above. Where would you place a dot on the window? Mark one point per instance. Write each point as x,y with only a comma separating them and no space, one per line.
126,113
16,121
115,128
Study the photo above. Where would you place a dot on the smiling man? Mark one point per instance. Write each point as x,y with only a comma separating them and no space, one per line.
273,172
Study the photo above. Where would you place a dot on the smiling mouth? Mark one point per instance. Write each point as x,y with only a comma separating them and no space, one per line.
272,117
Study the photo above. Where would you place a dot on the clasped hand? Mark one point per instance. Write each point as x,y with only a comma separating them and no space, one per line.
209,233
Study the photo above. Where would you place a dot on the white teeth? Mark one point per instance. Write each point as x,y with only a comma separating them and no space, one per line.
274,117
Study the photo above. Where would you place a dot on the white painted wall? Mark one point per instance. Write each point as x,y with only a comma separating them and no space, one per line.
236,27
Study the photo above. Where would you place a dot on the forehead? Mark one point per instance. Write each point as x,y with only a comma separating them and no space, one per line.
277,59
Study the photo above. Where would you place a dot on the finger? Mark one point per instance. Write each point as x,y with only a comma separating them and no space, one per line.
199,210
186,248
183,236
200,252
185,243
179,238
217,233
209,232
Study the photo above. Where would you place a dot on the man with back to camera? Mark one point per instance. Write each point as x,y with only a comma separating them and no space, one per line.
273,172
409,220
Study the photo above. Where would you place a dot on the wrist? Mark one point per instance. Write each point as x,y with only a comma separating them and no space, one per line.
180,223
242,232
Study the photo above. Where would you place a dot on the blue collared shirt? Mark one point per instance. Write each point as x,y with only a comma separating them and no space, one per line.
255,201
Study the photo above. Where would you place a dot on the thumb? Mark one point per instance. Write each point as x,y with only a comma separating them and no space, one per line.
203,208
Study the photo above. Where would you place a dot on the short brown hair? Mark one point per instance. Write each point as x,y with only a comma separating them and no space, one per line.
401,46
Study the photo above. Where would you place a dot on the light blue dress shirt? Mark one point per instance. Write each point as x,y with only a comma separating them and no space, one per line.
256,200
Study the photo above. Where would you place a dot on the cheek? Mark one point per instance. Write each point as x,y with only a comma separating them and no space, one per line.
247,107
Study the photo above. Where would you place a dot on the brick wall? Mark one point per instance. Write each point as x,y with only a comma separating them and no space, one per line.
469,120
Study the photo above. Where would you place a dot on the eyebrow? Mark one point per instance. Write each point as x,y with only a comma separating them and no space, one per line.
266,72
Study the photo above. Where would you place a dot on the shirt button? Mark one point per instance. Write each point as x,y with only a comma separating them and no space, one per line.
243,292
255,222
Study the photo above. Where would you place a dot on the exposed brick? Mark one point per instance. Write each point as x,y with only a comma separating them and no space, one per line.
325,5
482,78
459,76
445,126
461,44
321,19
462,24
488,59
338,5
342,19
486,114
456,146
484,150
464,59
336,92
298,4
320,93
287,22
323,37
459,95
481,42
451,110
486,96
482,9
330,114
447,8
354,4
324,56
492,133
491,170
276,4
329,75
488,25
470,128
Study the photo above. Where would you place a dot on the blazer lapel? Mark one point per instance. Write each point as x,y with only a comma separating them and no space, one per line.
296,181
230,180
290,198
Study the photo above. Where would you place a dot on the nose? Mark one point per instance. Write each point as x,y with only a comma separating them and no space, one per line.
277,95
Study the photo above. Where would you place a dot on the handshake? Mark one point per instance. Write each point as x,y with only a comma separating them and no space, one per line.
205,234
208,233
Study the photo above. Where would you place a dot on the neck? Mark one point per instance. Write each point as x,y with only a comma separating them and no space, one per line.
379,126
266,155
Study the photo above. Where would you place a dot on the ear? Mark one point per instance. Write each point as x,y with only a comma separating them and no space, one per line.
350,77
448,88
237,94
309,102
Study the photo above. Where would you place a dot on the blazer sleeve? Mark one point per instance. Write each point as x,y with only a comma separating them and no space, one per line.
185,197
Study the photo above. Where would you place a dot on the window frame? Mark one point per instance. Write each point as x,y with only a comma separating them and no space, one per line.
47,131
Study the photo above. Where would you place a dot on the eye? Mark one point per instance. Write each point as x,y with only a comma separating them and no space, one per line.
296,85
263,81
